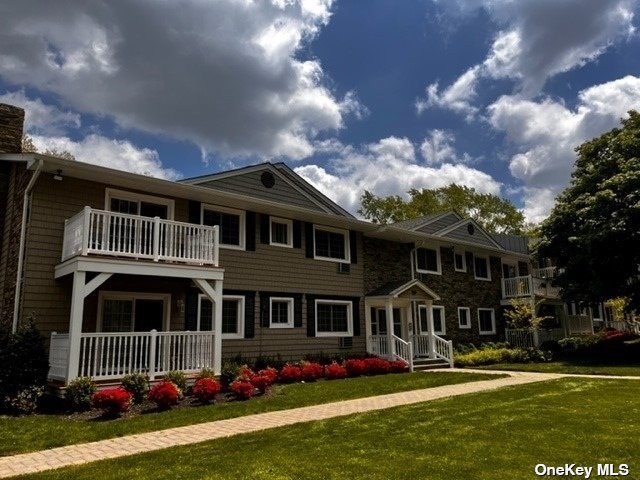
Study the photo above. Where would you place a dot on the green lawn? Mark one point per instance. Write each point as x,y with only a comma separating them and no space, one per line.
584,367
37,432
498,435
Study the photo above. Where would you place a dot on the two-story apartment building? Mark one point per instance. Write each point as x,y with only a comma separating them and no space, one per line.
124,272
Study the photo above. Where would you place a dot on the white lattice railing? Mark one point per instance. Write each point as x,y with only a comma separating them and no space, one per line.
114,355
443,349
420,345
117,234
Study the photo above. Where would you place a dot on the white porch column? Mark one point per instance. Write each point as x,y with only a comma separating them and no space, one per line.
389,314
367,324
75,323
432,341
217,340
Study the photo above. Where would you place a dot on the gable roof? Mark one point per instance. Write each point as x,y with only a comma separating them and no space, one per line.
395,289
469,230
512,243
288,187
429,223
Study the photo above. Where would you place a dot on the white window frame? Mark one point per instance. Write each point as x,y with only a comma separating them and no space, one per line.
444,321
468,325
289,224
133,296
349,304
240,319
464,261
290,302
110,193
488,263
493,321
347,244
233,211
438,262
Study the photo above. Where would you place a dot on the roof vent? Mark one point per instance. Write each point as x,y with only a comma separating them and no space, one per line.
267,179
471,229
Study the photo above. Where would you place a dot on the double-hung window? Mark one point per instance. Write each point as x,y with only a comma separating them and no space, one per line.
281,312
481,268
280,232
459,261
439,327
334,318
331,244
232,315
464,317
427,260
486,321
231,223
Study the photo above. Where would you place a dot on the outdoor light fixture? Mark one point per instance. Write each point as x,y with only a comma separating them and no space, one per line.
58,176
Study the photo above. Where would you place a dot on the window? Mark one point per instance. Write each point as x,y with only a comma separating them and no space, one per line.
481,268
132,312
459,261
464,317
281,315
331,244
439,327
231,223
379,322
280,232
486,321
428,260
509,269
334,318
138,204
232,315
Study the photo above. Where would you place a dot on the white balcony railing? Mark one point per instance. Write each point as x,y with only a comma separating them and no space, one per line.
101,232
528,285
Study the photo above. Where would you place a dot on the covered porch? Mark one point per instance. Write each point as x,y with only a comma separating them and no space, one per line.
409,336
140,337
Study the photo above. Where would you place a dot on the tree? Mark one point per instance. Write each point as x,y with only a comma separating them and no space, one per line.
593,231
493,213
29,147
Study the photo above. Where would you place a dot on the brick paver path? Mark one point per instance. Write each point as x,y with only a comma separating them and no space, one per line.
172,437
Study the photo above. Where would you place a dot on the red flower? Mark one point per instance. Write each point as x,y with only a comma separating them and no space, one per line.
269,372
290,374
164,394
206,389
398,366
355,367
376,365
312,371
112,400
335,371
261,382
245,373
242,389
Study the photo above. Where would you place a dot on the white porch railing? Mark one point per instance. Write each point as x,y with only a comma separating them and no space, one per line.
530,338
579,325
101,232
443,349
379,345
113,355
403,350
420,345
546,272
527,286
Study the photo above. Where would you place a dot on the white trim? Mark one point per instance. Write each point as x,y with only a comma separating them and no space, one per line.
463,254
443,321
488,262
426,309
290,314
347,244
433,219
468,325
241,224
349,304
239,320
493,322
133,296
283,221
109,193
466,221
438,262
511,263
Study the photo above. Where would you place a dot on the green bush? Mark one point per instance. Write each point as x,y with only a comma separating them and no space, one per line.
229,372
137,384
581,343
178,378
205,373
491,355
79,393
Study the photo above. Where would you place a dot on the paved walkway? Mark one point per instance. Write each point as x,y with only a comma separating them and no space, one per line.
151,441
549,374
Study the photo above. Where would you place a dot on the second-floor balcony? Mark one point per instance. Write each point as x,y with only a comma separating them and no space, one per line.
101,232
538,283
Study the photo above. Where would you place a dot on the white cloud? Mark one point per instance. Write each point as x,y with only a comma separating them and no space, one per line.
387,167
222,74
457,97
39,117
107,152
438,148
545,134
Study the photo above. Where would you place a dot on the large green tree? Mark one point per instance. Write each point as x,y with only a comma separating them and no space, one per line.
493,213
593,231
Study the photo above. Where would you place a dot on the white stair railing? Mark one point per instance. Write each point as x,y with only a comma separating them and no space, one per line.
403,350
420,345
443,349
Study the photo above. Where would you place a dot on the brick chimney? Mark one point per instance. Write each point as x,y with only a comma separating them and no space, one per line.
11,125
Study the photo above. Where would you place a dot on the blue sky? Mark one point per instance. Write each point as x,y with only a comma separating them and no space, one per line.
379,95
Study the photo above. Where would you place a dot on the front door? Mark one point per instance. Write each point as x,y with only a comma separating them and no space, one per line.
379,322
149,315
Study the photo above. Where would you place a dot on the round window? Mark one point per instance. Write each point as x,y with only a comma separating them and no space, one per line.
267,179
471,229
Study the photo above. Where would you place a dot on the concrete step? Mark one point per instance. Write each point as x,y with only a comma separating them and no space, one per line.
430,366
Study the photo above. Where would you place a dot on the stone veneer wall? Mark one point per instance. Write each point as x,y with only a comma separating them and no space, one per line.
386,261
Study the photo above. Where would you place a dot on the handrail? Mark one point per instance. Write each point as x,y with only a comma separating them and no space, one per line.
443,349
403,350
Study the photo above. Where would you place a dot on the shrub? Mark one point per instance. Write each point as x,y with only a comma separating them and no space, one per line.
488,356
245,373
206,389
229,372
113,401
25,401
398,366
263,362
261,382
79,392
269,372
335,371
137,384
242,389
205,373
164,394
290,373
312,371
178,378
377,365
355,367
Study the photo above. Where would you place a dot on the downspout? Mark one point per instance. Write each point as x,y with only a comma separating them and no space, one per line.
411,261
26,203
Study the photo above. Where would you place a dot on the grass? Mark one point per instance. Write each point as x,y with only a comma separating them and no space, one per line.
499,435
584,367
38,432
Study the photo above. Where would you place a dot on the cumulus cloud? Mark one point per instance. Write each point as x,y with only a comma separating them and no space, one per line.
40,117
223,74
545,134
536,40
387,167
438,147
